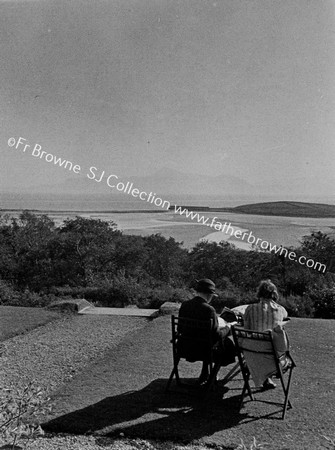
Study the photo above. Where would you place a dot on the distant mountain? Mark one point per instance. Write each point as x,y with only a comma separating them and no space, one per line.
170,181
290,209
163,182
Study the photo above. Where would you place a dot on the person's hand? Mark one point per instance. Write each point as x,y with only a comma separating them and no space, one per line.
224,331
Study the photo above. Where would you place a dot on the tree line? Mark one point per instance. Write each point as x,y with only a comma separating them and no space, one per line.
90,258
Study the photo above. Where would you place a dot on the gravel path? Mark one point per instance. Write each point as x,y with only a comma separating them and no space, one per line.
90,443
52,354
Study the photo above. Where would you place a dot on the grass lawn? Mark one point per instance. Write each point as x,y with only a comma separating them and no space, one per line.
16,320
123,395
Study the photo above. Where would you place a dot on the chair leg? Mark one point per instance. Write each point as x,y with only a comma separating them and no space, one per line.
246,376
246,386
231,374
287,391
175,373
249,390
169,380
243,394
212,376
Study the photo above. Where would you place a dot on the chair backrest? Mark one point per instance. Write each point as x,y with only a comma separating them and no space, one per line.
192,339
258,351
253,341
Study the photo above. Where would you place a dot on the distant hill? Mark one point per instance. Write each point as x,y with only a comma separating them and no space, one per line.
163,182
169,181
286,208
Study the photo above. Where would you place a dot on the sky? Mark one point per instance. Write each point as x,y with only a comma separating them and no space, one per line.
244,88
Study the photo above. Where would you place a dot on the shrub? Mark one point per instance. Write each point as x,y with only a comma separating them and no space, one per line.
11,297
324,302
19,410
253,446
232,297
8,295
100,294
298,306
32,299
119,292
155,297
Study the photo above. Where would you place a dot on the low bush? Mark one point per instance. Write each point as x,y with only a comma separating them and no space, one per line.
101,294
20,408
155,297
123,291
8,295
232,297
324,302
298,306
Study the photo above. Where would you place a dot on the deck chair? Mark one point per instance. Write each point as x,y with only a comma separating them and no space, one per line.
192,340
259,360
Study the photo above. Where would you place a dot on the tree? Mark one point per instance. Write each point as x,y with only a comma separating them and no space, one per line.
130,256
84,250
219,261
24,241
320,247
165,258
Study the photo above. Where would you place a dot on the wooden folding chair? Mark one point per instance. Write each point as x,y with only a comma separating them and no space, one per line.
192,340
256,351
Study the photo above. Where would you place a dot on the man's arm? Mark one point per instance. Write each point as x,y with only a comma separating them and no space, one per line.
216,330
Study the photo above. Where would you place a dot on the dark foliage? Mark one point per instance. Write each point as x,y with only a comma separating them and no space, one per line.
86,258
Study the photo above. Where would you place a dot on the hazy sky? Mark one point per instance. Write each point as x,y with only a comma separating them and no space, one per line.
239,87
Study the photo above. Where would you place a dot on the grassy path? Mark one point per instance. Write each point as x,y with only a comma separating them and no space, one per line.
123,392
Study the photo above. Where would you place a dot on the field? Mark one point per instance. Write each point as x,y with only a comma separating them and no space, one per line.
116,400
15,320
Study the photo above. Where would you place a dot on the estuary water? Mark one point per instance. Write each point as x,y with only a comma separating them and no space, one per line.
124,212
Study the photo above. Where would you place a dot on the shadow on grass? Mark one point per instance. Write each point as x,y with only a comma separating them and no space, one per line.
150,413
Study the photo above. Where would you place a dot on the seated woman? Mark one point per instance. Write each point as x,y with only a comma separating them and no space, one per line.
265,315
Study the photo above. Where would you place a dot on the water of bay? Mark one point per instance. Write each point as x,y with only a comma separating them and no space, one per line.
286,231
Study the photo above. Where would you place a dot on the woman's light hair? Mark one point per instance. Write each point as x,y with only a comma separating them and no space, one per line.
268,290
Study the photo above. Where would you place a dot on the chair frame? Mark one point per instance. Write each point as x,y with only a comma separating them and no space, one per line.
214,368
176,322
241,333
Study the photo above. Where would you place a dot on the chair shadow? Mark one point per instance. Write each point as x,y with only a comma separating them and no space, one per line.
151,413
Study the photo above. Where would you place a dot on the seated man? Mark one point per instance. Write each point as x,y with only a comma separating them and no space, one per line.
198,308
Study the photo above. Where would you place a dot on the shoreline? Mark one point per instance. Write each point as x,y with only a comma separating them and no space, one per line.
70,211
153,211
279,230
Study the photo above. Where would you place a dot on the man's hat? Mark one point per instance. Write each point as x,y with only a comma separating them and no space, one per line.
206,286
